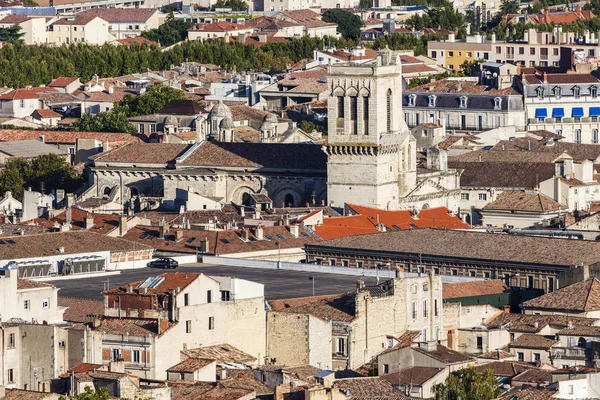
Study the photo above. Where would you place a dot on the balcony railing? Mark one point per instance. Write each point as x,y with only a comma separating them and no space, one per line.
575,353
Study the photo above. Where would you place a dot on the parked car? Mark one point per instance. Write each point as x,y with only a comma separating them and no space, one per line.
163,263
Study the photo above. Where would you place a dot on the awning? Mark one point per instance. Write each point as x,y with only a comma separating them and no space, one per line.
541,113
558,112
577,111
594,111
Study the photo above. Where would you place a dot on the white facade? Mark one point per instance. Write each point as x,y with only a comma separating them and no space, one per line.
92,32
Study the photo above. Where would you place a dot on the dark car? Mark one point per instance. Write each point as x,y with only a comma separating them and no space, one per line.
163,263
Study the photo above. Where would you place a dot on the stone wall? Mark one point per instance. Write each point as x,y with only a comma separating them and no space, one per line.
288,338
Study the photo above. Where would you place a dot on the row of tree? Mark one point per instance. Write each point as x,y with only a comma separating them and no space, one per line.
22,65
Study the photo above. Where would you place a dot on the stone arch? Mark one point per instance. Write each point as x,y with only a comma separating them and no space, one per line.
338,91
246,199
582,343
352,92
288,200
242,194
133,191
282,197
364,92
425,206
106,191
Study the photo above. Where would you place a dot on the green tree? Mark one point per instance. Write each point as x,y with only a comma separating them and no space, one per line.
235,5
12,34
90,394
155,98
171,32
110,121
446,17
12,177
509,7
348,24
365,4
468,384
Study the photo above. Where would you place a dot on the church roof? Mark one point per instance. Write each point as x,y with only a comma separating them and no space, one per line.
182,107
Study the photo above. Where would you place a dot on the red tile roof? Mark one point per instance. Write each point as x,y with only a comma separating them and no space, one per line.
120,14
367,218
47,113
580,296
79,308
327,308
23,284
62,81
19,94
136,40
143,153
84,367
131,326
191,365
455,290
102,223
172,281
219,26
114,139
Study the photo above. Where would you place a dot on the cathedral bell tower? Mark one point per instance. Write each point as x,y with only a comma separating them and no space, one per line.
371,154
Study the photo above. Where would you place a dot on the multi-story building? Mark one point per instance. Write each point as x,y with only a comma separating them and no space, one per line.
349,330
33,27
477,104
126,23
147,324
566,104
79,29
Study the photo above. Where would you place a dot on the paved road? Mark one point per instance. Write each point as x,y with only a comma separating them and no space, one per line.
279,284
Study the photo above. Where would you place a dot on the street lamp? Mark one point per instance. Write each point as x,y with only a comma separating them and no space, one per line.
312,278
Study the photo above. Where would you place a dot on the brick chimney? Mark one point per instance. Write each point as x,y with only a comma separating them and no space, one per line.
259,233
295,231
545,77
123,225
89,221
178,235
204,245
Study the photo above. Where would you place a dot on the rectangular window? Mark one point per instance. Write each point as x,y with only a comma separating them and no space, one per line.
507,279
211,323
436,271
482,196
498,50
450,54
571,389
186,299
116,355
26,305
550,284
152,128
136,356
46,303
521,356
359,264
414,310
555,51
341,346
472,273
486,274
521,50
209,296
530,282
141,128
433,54
537,357
425,336
436,309
425,310
11,375
332,263
345,263
532,51
188,326
577,135
340,106
486,56
386,369
22,103
366,115
454,272
479,343
464,196
11,340
595,136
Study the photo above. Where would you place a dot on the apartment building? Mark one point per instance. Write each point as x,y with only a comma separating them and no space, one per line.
79,29
33,27
147,324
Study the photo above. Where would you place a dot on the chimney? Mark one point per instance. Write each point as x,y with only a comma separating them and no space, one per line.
223,374
536,325
123,225
360,284
89,221
111,90
242,211
262,38
493,37
295,230
116,366
129,288
61,250
178,235
259,233
399,272
163,229
545,76
204,245
242,38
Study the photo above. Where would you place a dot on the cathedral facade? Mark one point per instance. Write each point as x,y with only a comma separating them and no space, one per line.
370,157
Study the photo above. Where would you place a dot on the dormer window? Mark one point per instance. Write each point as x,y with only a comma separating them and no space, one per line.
411,100
576,92
540,92
432,100
557,92
463,101
497,103
594,91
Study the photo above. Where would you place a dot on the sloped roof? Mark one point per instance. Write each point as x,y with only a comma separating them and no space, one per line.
47,113
444,354
23,284
517,200
170,281
66,136
452,290
412,376
130,326
367,218
182,107
531,341
191,365
504,368
79,308
62,81
222,353
120,14
369,388
328,308
19,94
143,153
528,323
580,296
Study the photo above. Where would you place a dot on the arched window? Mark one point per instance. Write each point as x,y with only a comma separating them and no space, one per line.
106,191
246,199
497,103
576,92
389,110
557,92
340,105
593,91
432,100
288,200
463,101
581,343
366,114
412,98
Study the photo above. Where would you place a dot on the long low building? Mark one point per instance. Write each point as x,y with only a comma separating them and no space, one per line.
521,261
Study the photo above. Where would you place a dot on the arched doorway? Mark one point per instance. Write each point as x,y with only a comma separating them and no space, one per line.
246,199
133,191
288,200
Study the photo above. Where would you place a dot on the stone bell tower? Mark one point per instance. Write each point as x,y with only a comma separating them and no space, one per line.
371,154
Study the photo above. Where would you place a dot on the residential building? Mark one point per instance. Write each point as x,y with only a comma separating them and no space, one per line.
28,149
79,29
46,117
566,104
311,21
124,23
66,84
475,104
358,55
346,331
518,209
172,312
220,29
276,27
532,348
581,299
28,300
547,16
452,53
419,382
32,27
474,254
19,103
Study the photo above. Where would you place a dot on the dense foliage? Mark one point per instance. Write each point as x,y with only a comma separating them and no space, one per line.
445,16
348,23
155,98
89,394
468,384
11,34
235,5
110,121
50,169
171,32
401,41
22,65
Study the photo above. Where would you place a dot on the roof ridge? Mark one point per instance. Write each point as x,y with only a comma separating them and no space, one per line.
587,298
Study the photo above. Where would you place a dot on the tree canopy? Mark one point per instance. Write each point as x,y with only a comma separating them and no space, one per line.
109,121
348,24
444,16
155,98
235,5
171,32
11,34
89,394
51,170
468,384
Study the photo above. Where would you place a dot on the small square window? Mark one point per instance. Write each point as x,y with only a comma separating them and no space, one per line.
46,303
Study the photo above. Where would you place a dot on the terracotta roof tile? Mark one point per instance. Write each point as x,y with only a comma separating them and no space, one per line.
47,113
444,354
369,388
66,136
580,296
496,355
591,331
171,281
412,376
459,86
529,393
222,353
191,365
23,284
516,200
454,290
102,223
62,81
534,376
121,14
504,368
219,26
529,341
18,394
135,40
143,153
130,326
528,323
19,94
326,308
84,367
79,308
306,17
